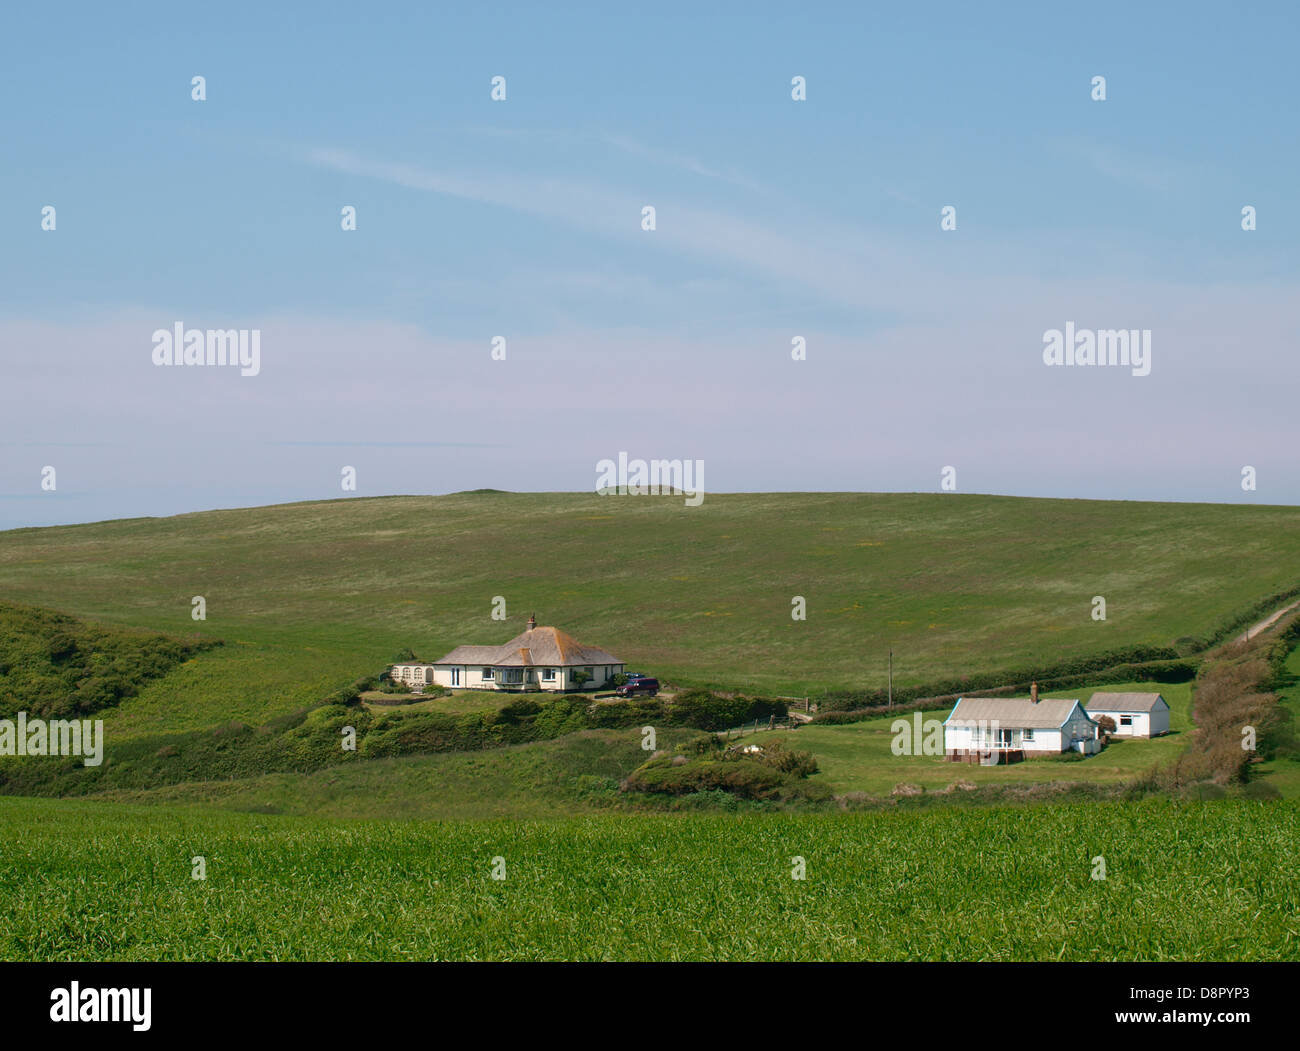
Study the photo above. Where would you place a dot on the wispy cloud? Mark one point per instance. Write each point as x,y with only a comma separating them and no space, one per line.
674,160
1123,164
825,259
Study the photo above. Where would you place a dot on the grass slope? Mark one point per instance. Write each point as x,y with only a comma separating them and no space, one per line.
54,666
309,596
1215,881
575,774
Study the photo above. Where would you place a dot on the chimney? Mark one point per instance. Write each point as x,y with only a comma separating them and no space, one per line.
532,621
1033,692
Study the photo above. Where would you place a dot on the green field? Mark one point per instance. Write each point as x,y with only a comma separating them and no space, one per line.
1209,881
310,596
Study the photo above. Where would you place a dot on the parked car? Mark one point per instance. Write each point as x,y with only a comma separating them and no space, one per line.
640,684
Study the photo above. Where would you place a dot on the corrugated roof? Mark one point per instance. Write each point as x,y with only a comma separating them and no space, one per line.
537,647
1012,712
1125,702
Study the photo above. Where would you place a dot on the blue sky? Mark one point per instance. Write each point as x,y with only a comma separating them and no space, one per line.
521,218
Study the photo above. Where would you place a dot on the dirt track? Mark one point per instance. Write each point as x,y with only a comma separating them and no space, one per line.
1263,625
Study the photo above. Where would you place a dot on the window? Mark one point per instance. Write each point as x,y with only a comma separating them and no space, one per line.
487,674
455,676
1126,720
548,675
1027,735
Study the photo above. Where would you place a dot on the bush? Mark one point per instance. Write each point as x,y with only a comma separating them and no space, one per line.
516,711
1232,691
746,779
56,666
705,710
788,760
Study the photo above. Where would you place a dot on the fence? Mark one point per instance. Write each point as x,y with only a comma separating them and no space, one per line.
759,726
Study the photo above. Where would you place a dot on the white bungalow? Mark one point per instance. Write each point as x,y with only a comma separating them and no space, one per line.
539,659
1007,729
1135,714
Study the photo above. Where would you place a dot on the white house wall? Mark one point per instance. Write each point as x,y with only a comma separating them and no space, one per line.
1144,724
958,738
471,678
1044,741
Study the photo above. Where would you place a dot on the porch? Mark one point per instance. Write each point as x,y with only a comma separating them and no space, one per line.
986,757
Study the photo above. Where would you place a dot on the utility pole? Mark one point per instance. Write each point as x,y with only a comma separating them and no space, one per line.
891,678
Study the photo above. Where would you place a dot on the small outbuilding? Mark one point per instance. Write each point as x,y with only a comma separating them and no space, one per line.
1135,714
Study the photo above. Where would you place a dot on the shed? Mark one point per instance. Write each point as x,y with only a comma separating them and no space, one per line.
1135,714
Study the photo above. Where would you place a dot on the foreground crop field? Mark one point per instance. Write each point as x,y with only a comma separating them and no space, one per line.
1211,881
310,596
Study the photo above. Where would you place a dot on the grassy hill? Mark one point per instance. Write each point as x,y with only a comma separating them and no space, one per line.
56,666
310,596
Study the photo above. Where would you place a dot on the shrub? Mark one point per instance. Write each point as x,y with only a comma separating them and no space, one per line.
705,710
54,666
748,780
788,760
516,711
